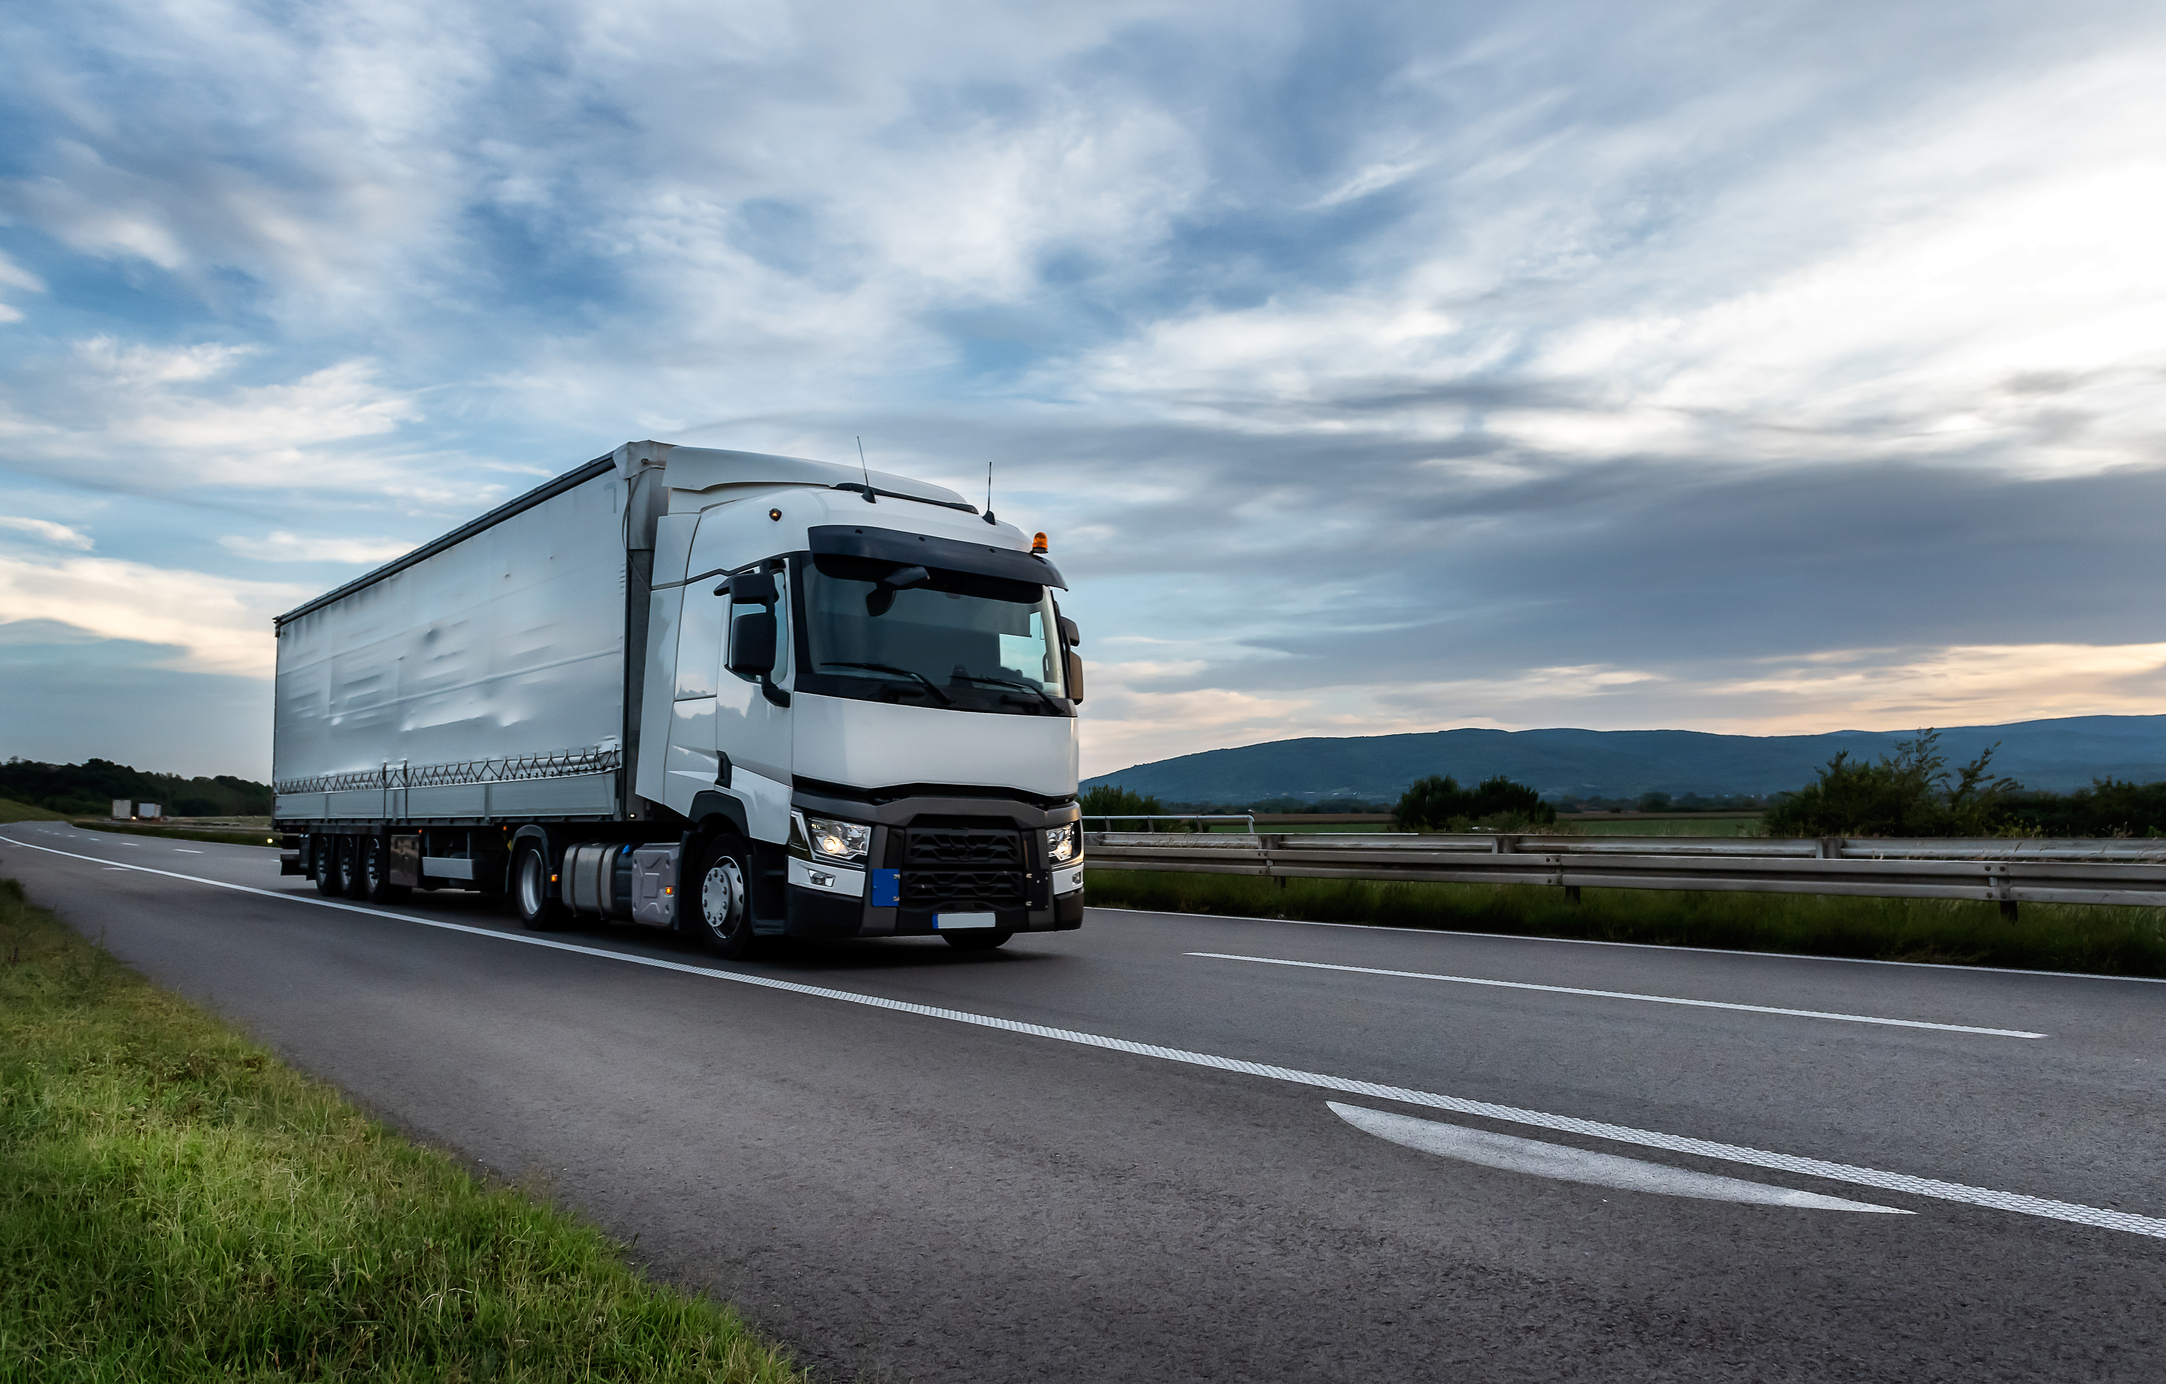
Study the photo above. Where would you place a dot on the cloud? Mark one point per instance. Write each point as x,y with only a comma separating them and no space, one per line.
58,534
218,625
279,546
13,275
1382,367
147,419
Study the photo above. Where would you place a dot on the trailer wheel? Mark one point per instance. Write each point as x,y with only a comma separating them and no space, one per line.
720,912
345,867
323,863
530,892
375,872
977,939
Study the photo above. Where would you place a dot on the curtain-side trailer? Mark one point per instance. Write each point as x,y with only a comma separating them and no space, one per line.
732,694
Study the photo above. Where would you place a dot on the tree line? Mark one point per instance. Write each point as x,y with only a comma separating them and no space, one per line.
89,788
1913,791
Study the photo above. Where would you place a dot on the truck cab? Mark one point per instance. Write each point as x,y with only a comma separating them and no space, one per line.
865,696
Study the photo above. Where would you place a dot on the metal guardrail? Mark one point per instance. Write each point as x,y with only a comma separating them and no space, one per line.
1248,820
2006,872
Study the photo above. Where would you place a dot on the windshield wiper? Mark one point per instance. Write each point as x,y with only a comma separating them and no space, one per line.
1029,687
930,685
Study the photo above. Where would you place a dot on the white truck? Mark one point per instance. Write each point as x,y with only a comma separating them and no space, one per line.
727,693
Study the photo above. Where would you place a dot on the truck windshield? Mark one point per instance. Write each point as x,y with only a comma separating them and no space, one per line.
884,631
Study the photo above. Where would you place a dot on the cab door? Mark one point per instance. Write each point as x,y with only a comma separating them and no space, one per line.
743,737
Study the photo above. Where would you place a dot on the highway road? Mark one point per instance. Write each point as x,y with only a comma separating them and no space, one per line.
1171,1147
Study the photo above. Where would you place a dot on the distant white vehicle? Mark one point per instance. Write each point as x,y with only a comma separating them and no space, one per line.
724,692
123,809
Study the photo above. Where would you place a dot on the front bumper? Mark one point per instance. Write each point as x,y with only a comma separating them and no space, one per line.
932,859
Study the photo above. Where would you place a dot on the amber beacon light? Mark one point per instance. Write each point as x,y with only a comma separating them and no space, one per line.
1037,544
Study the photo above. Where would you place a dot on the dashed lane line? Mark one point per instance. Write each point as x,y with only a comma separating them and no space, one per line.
1618,995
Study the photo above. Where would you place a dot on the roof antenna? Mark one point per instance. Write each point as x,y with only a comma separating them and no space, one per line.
989,493
867,470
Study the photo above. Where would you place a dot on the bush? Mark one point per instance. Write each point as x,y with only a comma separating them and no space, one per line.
1112,800
1438,803
2108,807
1908,793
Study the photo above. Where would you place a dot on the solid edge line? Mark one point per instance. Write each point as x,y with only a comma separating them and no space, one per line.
1623,995
2016,1202
1640,946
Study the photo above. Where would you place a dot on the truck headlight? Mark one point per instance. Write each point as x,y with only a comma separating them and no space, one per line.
1063,844
843,841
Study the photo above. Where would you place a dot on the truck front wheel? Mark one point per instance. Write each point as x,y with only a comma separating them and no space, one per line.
721,903
530,891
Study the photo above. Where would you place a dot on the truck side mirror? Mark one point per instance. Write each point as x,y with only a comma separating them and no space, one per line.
752,643
1069,634
1075,677
753,588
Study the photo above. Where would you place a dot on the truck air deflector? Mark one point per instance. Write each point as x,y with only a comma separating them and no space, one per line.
894,545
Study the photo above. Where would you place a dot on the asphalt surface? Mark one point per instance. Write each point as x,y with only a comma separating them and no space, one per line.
1097,1155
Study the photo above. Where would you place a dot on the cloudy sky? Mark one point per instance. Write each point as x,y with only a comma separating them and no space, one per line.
1375,367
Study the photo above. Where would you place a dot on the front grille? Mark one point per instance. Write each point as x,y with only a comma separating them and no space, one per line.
995,848
962,868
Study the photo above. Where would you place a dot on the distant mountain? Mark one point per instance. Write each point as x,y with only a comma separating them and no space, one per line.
2057,755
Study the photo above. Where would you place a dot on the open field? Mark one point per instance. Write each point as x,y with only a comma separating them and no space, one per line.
175,1204
2046,937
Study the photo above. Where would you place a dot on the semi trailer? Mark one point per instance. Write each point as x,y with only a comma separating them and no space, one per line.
726,693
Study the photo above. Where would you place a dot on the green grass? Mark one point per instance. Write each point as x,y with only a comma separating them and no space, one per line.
1710,825
2045,937
12,811
177,1205
219,836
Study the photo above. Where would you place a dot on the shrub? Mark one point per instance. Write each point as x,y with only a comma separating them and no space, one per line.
1908,793
1438,803
2109,807
1112,800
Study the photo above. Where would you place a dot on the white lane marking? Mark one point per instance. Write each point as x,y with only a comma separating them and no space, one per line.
2018,1202
185,851
1620,995
1638,946
1567,1164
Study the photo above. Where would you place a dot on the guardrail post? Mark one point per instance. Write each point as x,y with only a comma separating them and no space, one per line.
1571,893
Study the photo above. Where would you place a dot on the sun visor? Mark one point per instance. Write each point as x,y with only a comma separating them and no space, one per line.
893,545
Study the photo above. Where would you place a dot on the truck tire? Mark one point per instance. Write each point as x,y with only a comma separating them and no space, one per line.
345,867
375,872
719,912
323,864
530,891
977,939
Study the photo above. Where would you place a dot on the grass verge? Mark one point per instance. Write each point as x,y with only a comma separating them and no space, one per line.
12,811
217,835
175,1204
2044,937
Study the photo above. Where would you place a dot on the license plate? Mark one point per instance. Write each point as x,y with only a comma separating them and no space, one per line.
948,922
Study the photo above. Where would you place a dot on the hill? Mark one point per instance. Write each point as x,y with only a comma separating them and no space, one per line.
24,812
2058,755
